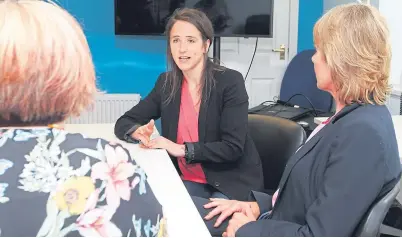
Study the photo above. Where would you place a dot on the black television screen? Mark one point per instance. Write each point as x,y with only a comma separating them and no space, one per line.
229,17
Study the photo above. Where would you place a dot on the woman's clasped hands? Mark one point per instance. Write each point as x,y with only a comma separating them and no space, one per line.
144,133
239,213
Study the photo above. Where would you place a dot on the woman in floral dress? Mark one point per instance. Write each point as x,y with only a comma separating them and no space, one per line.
54,183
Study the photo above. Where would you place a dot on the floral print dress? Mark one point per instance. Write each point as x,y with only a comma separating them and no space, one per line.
53,183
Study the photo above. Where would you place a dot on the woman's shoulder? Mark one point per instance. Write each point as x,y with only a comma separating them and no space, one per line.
376,117
86,179
163,77
231,82
229,76
55,149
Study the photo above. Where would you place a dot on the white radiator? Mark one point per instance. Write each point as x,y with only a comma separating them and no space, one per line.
107,109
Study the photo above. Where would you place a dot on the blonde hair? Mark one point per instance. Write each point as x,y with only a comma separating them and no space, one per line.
46,69
355,41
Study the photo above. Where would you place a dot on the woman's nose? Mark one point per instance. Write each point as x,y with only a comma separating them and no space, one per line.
183,47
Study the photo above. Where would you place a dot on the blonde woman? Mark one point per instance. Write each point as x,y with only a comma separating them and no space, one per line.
53,183
349,161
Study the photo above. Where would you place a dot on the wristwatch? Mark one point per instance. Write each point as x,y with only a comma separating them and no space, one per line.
189,152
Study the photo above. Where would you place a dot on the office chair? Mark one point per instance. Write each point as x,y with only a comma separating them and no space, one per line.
299,79
276,139
371,223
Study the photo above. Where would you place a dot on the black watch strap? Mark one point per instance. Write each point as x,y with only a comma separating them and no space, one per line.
189,152
127,136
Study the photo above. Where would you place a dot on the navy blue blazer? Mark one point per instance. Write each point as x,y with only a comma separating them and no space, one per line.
329,184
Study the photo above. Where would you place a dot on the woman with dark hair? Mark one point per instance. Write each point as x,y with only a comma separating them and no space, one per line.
203,108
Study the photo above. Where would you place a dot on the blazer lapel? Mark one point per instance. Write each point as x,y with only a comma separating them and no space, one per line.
174,110
298,156
311,143
305,149
203,115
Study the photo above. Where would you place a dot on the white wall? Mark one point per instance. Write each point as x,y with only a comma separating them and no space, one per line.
391,9
393,103
328,4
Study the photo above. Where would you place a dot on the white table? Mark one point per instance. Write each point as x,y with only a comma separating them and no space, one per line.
397,120
183,219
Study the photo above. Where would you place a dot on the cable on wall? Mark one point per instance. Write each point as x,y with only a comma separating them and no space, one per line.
252,58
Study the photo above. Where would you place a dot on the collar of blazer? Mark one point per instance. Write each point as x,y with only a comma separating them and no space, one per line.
308,146
346,110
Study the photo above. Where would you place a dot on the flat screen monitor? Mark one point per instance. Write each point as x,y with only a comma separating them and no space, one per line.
237,18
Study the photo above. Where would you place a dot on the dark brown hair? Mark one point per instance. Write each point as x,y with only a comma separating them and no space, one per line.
175,75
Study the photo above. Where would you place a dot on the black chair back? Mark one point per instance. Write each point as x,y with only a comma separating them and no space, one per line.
276,139
371,222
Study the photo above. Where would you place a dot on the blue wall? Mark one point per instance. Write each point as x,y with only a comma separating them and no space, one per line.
309,12
123,64
126,64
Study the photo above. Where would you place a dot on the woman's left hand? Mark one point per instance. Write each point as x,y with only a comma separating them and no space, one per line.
172,148
238,220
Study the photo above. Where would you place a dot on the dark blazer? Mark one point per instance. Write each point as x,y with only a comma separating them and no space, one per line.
329,184
225,149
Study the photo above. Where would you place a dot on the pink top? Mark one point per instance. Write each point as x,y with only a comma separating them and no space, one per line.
187,131
318,128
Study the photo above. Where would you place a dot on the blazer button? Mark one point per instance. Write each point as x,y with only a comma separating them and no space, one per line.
217,184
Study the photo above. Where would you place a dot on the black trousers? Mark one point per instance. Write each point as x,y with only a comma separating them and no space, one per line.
215,231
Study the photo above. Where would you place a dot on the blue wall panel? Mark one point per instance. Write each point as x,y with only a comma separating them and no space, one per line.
309,12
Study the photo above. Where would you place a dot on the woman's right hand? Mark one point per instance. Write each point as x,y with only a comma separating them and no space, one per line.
143,133
225,208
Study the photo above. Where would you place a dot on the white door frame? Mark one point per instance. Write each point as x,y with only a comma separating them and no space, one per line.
293,27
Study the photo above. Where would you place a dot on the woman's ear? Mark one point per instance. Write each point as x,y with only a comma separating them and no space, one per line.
207,45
